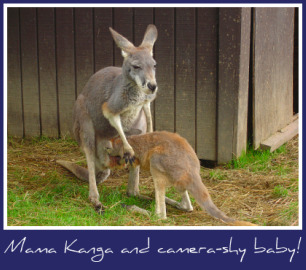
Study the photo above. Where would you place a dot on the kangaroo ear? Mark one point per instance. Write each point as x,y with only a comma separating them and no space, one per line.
149,37
125,45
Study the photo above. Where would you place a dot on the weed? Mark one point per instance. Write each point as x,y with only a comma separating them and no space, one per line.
256,160
280,191
217,175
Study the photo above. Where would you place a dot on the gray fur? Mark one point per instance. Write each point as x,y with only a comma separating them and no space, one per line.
126,94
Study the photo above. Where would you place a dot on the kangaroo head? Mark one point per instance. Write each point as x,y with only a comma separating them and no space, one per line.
139,65
116,148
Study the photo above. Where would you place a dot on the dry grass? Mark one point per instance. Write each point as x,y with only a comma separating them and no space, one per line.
266,195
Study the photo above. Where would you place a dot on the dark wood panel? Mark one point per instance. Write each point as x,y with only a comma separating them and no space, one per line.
14,94
185,73
103,40
84,47
241,132
206,101
47,71
273,66
65,67
30,71
165,56
230,76
123,24
142,17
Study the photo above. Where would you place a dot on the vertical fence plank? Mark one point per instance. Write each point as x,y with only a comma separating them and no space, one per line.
273,71
65,68
233,81
142,17
185,73
207,55
84,58
123,24
30,71
241,137
14,91
228,84
47,71
164,55
103,39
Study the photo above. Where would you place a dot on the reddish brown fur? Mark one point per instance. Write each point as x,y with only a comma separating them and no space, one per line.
172,161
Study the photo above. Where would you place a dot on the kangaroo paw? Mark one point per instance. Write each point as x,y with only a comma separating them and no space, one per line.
97,205
128,158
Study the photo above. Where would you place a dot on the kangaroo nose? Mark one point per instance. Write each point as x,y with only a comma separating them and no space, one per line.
152,87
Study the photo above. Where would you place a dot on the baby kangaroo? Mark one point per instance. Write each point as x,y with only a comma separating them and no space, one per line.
172,162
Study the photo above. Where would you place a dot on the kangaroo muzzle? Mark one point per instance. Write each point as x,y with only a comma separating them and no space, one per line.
152,87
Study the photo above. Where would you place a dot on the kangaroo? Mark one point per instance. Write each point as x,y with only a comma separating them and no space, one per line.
116,101
171,161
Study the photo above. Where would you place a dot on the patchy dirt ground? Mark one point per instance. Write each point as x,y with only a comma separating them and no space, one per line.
266,195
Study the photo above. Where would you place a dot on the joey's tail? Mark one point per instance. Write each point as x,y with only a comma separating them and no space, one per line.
202,197
78,171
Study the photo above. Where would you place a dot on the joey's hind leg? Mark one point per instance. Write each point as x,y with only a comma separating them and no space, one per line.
133,182
160,182
184,204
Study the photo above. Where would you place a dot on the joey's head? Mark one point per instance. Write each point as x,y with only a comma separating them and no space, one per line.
139,64
116,148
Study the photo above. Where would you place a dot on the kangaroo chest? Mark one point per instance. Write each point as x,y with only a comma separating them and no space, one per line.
129,116
133,107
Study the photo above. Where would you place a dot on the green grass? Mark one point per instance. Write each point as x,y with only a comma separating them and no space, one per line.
63,202
41,193
257,160
217,175
280,191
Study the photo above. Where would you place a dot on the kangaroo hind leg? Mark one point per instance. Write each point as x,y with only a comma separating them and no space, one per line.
160,181
184,204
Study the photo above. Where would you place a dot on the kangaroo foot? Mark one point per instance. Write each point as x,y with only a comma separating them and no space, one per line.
136,209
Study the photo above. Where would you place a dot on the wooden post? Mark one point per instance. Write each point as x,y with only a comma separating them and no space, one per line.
65,68
47,72
234,53
272,71
14,90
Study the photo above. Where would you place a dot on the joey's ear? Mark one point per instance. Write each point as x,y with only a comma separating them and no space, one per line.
125,45
149,37
109,150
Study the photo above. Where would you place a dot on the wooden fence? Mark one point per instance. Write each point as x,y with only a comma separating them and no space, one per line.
203,67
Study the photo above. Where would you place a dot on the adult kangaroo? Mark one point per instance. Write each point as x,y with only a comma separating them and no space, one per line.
116,101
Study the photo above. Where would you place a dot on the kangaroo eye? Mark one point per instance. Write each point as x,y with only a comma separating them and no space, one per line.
136,67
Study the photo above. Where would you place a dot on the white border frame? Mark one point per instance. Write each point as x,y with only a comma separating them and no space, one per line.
208,228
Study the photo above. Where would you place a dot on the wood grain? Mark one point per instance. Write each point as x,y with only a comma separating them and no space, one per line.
84,47
273,71
65,68
29,69
165,71
103,41
14,90
47,72
185,73
206,85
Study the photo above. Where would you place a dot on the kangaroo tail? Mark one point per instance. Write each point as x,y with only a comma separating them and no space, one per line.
78,171
202,197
